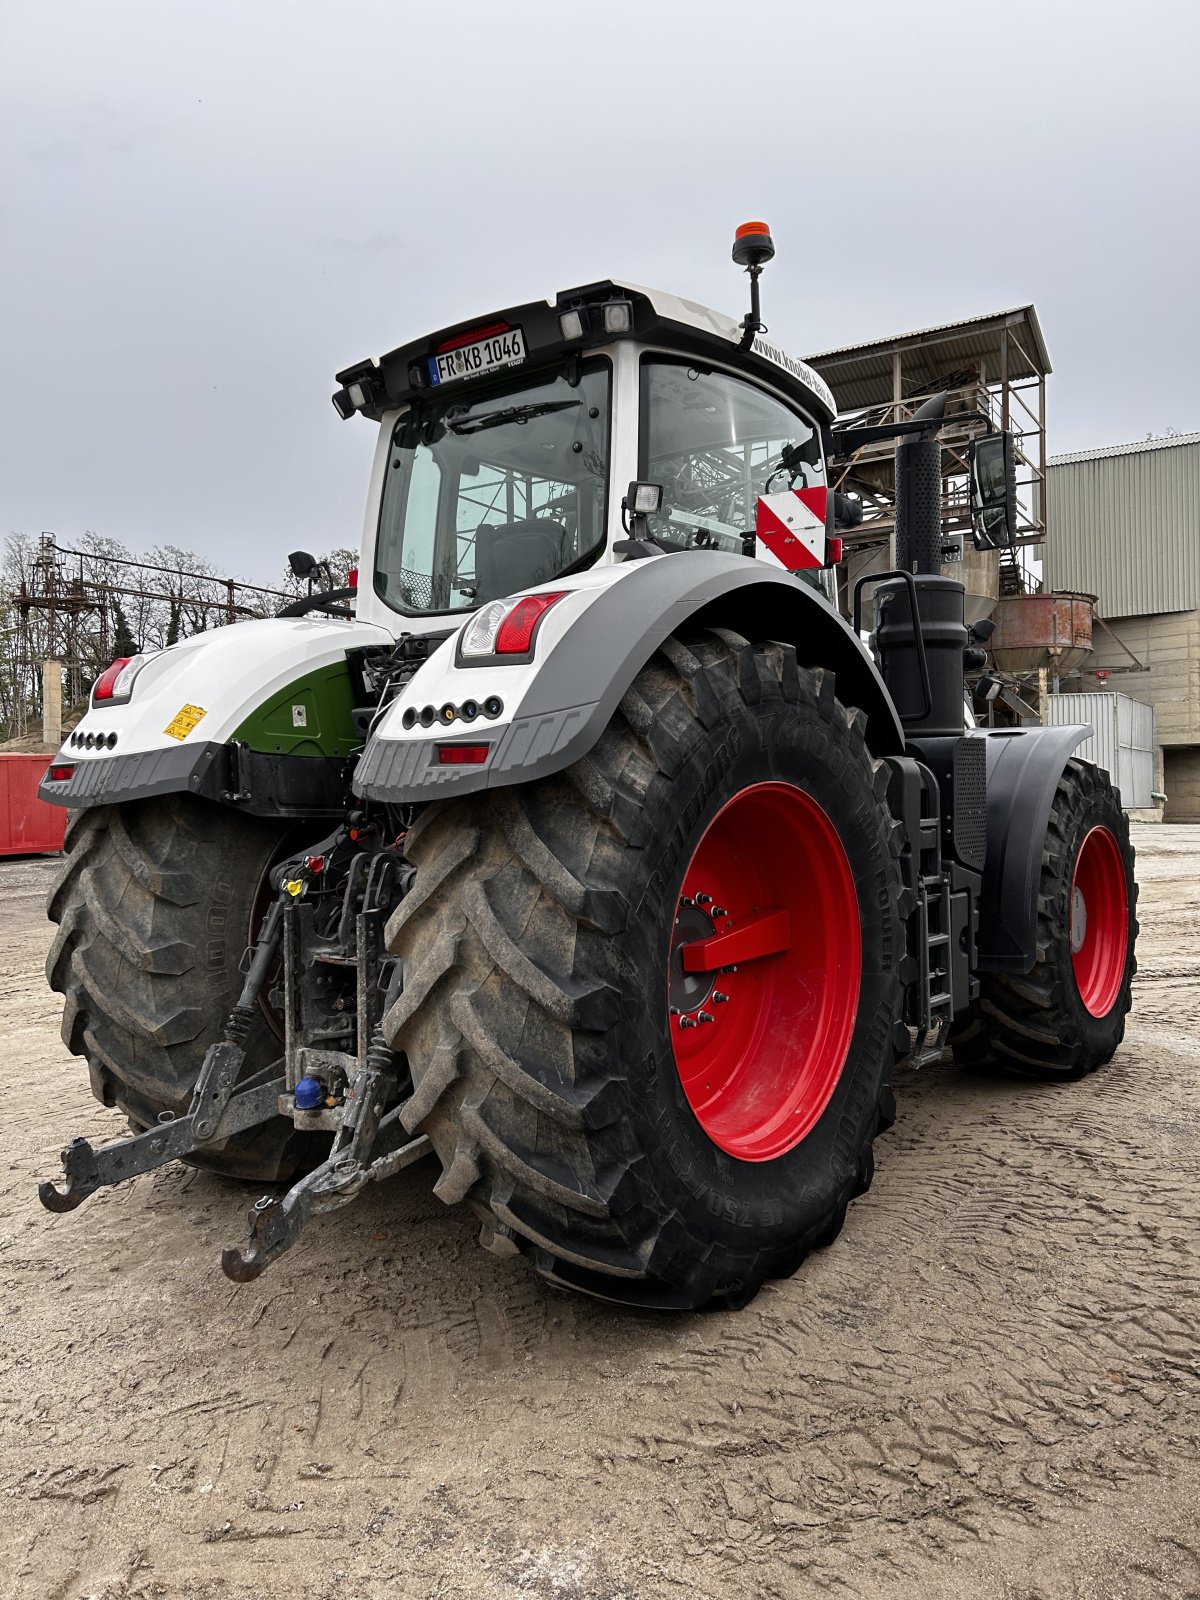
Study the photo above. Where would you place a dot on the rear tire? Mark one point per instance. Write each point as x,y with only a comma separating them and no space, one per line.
153,903
1066,1016
537,941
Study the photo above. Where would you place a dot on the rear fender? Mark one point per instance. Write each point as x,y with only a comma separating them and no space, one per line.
259,714
591,647
1023,769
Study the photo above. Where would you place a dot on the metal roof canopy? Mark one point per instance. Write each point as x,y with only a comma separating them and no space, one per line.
1102,452
993,370
864,375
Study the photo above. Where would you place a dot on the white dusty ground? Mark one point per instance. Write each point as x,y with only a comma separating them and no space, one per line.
989,1387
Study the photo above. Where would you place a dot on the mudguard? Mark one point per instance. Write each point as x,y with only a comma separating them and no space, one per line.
1023,769
258,715
589,649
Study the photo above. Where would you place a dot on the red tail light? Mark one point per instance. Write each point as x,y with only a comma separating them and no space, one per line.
472,336
352,578
462,755
59,773
515,635
103,688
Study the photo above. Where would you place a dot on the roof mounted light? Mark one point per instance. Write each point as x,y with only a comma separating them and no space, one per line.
358,396
573,324
343,404
753,247
458,341
618,316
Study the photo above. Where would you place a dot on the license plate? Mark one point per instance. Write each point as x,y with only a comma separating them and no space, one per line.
473,360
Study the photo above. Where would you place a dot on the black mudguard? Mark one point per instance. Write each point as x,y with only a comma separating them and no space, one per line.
580,683
1023,769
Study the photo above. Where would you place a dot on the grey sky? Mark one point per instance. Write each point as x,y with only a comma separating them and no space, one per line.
206,209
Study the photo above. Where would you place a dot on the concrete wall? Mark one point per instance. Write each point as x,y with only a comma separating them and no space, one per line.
1181,779
1169,645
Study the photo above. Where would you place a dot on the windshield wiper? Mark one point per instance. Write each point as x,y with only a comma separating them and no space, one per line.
497,419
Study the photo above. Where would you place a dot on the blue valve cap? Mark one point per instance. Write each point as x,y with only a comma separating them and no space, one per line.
309,1094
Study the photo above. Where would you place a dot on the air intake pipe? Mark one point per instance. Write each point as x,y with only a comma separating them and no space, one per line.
940,602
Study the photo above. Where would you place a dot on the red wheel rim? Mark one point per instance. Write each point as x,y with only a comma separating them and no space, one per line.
1099,921
764,974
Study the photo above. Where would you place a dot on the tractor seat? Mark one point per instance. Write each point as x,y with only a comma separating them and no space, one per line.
517,555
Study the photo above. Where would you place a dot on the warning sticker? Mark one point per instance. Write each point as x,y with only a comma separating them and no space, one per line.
184,720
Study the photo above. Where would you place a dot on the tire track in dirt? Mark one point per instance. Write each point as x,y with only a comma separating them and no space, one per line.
990,1385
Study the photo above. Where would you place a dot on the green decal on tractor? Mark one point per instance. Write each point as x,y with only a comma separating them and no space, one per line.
312,717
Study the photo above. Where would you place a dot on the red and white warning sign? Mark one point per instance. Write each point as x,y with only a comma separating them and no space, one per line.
789,528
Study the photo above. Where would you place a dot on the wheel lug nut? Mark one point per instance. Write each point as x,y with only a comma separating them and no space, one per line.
705,1016
718,911
686,900
704,899
687,1022
718,998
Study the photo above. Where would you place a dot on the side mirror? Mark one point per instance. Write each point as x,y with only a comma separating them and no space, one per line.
993,461
302,564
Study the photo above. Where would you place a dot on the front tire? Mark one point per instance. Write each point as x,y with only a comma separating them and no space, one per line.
543,953
1066,1016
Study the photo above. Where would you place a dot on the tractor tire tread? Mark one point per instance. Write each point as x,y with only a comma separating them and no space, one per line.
509,1004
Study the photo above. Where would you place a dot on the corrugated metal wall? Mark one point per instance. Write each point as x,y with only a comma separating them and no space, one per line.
1126,528
1123,743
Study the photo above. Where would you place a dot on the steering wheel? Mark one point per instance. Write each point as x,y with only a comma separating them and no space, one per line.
324,600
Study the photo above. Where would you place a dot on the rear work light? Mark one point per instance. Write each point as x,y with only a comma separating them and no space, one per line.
462,755
115,683
506,627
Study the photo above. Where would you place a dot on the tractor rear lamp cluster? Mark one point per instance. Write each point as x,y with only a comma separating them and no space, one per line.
60,772
506,627
492,707
115,683
463,755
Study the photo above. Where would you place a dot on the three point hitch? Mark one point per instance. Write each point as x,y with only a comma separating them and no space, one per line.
370,1141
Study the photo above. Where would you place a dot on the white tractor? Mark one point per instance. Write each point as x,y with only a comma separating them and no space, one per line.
587,847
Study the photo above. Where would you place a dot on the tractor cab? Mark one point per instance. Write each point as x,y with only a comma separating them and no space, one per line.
609,424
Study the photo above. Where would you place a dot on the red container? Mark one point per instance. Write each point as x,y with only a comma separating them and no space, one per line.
28,826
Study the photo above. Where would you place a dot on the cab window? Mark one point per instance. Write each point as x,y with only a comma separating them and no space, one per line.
716,443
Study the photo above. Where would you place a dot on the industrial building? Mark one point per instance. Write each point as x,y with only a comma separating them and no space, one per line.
1123,524
1097,603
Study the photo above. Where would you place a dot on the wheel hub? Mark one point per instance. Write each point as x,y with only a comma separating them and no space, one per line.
688,991
1078,920
763,970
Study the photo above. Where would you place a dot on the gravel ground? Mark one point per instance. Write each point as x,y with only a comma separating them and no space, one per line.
988,1387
